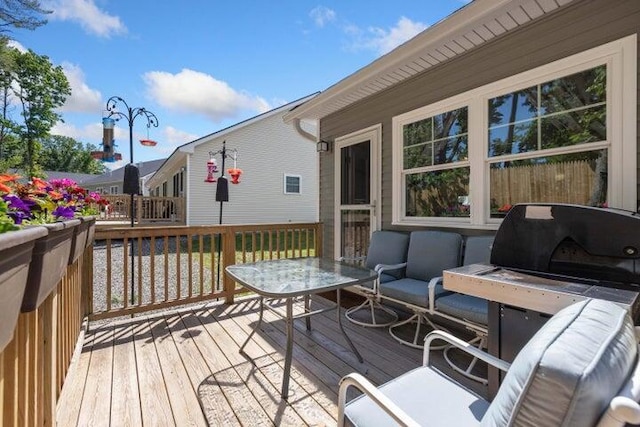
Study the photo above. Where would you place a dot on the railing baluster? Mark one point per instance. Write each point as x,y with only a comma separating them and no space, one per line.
178,265
108,274
166,266
190,260
201,252
140,249
152,267
125,283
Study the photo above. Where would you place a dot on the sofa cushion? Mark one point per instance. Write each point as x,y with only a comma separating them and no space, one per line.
569,371
427,396
431,252
411,291
388,247
463,306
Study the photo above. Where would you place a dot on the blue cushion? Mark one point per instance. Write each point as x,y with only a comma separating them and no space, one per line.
412,291
431,252
466,307
427,396
388,247
477,249
569,371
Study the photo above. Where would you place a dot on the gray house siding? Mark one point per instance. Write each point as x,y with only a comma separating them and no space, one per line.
581,26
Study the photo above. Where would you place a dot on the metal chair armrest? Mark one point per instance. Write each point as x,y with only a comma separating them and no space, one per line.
361,383
465,346
383,267
432,293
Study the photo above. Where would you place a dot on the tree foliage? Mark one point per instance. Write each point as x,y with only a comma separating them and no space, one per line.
39,89
62,153
27,14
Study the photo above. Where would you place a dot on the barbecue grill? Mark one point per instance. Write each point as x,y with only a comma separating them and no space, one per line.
546,257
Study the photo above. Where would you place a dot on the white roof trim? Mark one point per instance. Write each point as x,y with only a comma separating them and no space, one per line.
465,29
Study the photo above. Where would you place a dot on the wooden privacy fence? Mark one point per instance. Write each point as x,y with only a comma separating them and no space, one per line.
145,209
566,182
34,364
179,265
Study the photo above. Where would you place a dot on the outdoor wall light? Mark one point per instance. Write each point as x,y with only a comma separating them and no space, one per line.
322,146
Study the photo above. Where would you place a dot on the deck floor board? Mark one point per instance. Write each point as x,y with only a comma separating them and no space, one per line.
183,367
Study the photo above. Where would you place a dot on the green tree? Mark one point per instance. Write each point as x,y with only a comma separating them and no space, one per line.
62,153
26,14
9,144
39,89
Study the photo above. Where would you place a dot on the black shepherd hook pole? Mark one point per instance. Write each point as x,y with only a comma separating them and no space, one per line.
132,177
222,193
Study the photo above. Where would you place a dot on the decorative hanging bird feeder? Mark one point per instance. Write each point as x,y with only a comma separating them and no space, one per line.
148,142
212,168
235,172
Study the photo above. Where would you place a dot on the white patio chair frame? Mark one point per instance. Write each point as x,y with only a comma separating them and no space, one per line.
372,300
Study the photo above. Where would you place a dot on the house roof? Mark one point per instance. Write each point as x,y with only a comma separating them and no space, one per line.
179,154
117,175
467,28
79,178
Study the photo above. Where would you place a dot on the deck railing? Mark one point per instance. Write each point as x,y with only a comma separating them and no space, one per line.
34,364
146,209
180,265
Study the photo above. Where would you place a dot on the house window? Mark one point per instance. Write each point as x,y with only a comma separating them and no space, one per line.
435,165
553,134
99,190
113,189
164,189
565,117
292,184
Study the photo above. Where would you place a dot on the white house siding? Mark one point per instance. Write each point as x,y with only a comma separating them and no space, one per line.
267,149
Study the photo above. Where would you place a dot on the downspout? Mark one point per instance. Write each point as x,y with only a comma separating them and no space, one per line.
302,132
315,139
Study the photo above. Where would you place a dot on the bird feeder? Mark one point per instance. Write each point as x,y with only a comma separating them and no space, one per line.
235,175
212,168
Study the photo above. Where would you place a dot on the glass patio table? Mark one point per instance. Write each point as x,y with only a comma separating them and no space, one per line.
292,278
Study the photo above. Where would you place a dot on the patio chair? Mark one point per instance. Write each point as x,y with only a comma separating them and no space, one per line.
466,310
387,249
580,369
430,252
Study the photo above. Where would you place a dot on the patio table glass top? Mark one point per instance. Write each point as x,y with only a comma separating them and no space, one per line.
286,278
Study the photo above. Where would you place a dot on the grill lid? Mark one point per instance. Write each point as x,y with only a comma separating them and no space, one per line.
571,240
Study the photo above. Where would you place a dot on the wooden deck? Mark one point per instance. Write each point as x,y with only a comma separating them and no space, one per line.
184,368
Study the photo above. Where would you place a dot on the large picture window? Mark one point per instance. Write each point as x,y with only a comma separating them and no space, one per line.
553,134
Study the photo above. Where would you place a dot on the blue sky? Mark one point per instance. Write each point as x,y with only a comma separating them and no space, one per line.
203,65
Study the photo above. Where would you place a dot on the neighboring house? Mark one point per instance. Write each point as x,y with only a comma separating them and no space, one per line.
79,178
111,182
279,181
502,102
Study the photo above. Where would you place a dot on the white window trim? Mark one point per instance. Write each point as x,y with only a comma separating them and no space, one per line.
620,56
111,187
284,184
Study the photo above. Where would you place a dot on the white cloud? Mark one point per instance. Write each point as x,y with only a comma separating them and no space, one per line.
383,41
91,133
175,136
191,91
16,45
85,12
83,99
322,15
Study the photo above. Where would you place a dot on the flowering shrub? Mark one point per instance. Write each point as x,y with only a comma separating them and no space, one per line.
40,202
